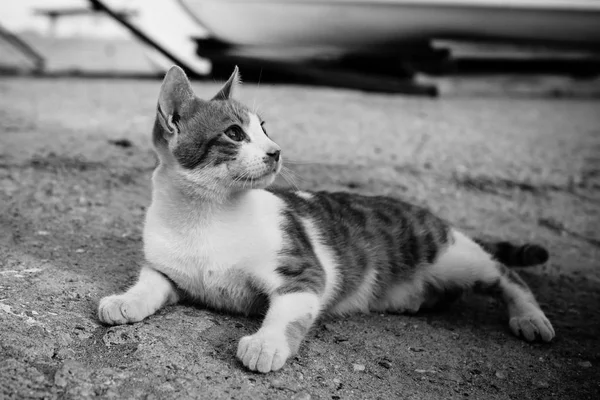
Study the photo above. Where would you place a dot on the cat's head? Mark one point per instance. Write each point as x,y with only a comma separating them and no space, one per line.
216,145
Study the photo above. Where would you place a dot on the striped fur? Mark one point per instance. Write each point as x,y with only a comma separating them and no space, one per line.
217,234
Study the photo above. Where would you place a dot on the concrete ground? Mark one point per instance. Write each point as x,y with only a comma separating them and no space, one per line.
72,201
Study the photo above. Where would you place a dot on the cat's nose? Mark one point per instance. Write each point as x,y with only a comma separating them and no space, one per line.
274,155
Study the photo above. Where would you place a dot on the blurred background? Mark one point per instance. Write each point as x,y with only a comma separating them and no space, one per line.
398,46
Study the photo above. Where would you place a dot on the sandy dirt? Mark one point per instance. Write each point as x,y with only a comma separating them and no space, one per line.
72,202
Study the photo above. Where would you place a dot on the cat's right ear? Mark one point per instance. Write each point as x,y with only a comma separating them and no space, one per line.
175,93
226,92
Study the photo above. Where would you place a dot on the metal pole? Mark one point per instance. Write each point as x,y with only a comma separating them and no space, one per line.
99,5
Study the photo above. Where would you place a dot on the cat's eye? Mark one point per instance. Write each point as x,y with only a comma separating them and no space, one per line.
262,125
235,133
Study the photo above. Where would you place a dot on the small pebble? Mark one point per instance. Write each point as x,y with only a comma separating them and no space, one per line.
584,364
60,381
80,251
278,383
358,367
540,384
423,371
500,374
454,377
43,233
329,327
301,396
461,169
64,353
385,364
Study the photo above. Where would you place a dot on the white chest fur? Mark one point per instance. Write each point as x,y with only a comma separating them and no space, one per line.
218,255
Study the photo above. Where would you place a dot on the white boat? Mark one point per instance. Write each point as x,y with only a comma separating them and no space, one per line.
371,24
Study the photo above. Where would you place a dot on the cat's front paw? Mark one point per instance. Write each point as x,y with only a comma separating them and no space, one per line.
121,309
532,326
264,351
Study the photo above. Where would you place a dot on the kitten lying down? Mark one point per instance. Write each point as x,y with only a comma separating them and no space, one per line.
214,233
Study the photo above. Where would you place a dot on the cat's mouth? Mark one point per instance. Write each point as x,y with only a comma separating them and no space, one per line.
258,180
251,179
267,174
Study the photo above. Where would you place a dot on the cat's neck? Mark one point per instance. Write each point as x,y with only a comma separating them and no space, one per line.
180,203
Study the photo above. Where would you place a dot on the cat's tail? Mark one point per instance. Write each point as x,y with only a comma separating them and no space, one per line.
512,255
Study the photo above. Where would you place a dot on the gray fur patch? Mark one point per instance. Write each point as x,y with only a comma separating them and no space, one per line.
298,263
297,330
388,235
201,141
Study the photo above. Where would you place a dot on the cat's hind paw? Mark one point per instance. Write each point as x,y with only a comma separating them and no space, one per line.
121,309
264,351
532,326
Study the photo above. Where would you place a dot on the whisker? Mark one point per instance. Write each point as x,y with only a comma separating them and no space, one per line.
296,162
244,179
289,179
238,179
259,76
254,106
294,174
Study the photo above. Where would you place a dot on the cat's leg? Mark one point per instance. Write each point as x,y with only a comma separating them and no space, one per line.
288,320
526,317
152,291
465,265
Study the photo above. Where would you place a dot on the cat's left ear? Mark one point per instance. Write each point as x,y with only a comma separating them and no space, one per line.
229,88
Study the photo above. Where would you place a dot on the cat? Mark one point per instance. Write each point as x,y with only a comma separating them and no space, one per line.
217,234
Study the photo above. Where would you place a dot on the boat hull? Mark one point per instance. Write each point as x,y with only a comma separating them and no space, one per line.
353,24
